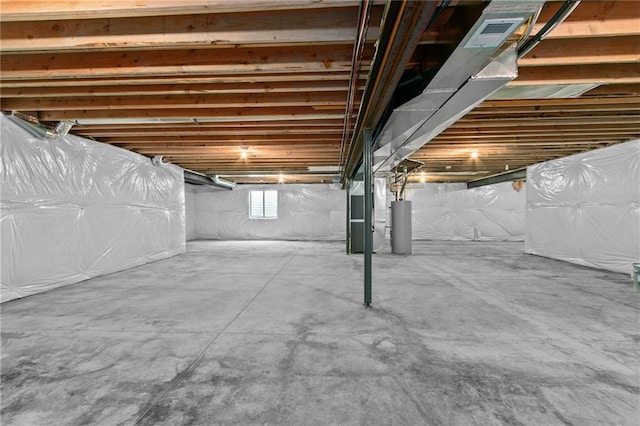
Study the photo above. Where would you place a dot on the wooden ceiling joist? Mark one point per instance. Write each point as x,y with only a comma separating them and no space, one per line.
172,62
546,121
182,131
555,102
264,124
601,50
280,139
542,140
624,73
557,106
493,158
593,19
31,10
235,100
226,164
229,145
223,154
614,90
242,78
176,89
288,28
555,129
570,144
280,113
563,135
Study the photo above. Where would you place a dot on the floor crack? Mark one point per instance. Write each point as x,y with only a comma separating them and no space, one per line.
187,371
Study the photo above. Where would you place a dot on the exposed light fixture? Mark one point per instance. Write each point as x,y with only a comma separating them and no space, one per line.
506,167
474,154
423,177
244,152
280,178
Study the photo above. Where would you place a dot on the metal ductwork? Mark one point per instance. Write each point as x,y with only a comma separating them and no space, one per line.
476,69
519,174
34,127
222,183
200,179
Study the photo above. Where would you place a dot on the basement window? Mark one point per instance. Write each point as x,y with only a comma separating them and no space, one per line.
263,204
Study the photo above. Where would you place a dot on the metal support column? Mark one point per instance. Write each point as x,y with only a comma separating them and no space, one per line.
368,208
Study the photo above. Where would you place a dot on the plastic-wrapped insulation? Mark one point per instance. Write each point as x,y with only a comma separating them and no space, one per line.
73,209
450,212
585,208
305,212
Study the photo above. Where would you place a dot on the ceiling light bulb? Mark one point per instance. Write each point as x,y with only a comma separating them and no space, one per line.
423,177
474,154
281,178
243,152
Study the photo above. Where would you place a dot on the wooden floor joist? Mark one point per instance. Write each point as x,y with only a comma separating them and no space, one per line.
197,81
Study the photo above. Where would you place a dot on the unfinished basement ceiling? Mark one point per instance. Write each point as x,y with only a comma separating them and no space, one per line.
293,84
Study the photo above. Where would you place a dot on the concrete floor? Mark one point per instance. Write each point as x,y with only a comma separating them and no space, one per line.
275,333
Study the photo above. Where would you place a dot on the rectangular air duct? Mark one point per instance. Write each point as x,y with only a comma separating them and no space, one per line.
474,71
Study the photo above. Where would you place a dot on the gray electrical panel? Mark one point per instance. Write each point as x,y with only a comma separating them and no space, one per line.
357,224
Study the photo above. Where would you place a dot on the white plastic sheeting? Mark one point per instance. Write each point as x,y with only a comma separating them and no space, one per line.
305,212
451,212
585,208
379,213
72,209
190,211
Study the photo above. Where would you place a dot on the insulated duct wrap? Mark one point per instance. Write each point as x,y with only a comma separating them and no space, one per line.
305,212
73,209
585,209
450,212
